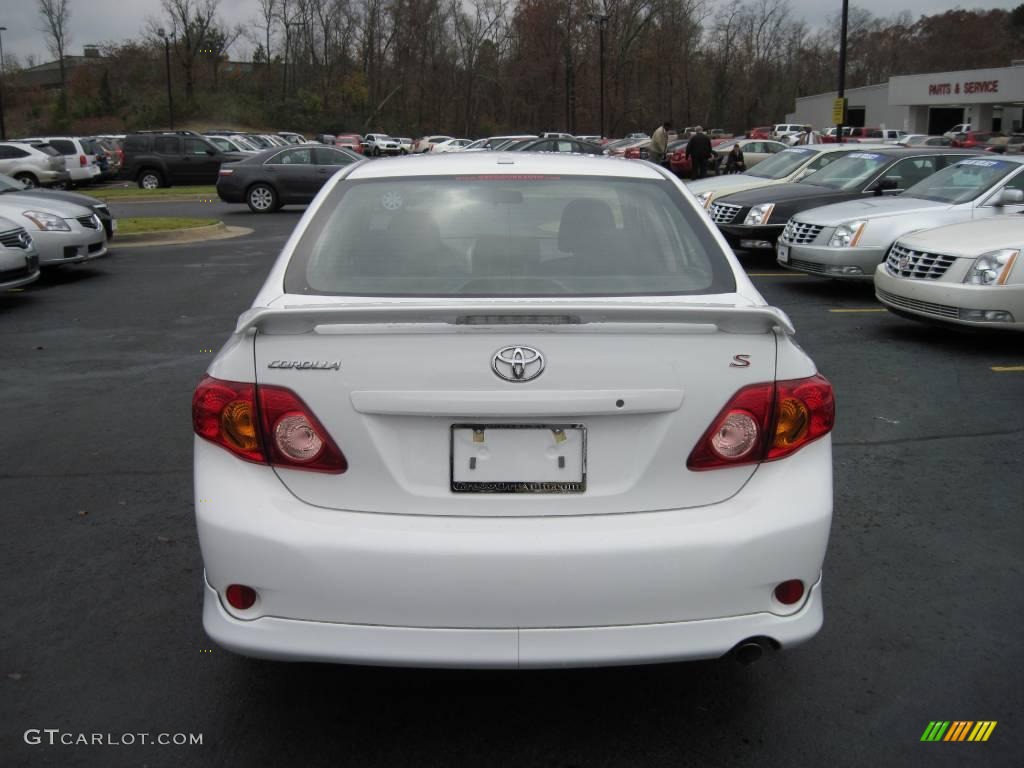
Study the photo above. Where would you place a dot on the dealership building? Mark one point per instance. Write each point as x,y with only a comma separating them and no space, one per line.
988,99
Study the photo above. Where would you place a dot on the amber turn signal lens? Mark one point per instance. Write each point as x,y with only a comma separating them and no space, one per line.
237,425
793,420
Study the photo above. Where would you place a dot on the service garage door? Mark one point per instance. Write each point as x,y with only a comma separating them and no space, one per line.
941,119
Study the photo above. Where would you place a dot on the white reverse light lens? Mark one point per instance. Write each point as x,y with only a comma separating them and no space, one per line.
759,214
847,234
47,222
992,268
296,438
736,436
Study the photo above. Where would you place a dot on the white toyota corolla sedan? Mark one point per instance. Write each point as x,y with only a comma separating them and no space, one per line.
511,410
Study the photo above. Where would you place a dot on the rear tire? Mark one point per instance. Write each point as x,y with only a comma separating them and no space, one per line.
28,179
261,198
150,179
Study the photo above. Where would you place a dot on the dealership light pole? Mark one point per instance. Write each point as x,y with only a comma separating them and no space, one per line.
167,58
602,26
842,72
3,127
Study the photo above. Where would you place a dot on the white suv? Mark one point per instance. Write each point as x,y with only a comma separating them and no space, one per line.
33,166
79,163
510,410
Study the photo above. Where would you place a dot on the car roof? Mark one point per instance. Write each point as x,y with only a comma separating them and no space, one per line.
509,164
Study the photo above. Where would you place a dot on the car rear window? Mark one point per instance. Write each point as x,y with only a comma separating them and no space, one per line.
498,236
64,146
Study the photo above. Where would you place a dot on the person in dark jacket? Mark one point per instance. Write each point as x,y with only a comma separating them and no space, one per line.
698,150
734,160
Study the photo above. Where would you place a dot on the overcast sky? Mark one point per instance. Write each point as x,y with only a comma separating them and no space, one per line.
94,21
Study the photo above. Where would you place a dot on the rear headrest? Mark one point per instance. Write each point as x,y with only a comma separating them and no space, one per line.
583,222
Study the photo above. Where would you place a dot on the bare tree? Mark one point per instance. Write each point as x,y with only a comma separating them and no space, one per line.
192,23
55,15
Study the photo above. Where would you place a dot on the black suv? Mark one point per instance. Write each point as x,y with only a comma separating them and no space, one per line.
164,158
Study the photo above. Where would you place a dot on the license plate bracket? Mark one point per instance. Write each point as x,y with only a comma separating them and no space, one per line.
518,458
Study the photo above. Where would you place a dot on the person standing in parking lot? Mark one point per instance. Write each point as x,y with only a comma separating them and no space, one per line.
698,150
659,143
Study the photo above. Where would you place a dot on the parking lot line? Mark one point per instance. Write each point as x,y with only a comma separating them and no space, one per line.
1008,368
864,309
777,274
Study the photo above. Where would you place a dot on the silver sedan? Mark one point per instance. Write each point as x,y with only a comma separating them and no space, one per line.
19,262
63,233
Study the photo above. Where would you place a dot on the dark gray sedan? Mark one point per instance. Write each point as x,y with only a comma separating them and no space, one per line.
281,176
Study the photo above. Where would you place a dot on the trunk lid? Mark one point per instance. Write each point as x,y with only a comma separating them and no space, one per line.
643,382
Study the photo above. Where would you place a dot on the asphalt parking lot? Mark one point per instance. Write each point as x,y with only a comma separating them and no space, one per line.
102,576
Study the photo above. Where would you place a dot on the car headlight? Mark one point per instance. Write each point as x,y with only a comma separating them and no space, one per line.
704,198
992,268
847,235
47,221
759,214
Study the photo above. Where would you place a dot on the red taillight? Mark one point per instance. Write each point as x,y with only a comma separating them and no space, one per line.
764,422
82,161
264,425
240,597
790,592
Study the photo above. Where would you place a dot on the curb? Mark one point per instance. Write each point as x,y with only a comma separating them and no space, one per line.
218,231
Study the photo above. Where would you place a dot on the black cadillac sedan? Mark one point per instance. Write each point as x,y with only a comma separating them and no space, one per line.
754,219
281,176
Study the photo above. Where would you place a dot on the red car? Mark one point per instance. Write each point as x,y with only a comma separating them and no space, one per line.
680,163
351,141
761,132
974,139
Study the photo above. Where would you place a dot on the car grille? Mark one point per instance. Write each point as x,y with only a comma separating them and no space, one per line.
927,307
15,238
807,266
917,265
798,233
88,221
724,213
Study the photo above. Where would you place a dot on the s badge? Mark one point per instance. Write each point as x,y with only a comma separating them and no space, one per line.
740,361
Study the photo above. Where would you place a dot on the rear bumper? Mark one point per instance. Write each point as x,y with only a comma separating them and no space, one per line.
523,591
290,640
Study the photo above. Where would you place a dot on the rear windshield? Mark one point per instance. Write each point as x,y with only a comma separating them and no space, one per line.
961,182
47,149
501,236
780,165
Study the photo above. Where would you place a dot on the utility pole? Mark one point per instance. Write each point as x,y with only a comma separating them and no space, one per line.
602,26
3,127
167,58
842,71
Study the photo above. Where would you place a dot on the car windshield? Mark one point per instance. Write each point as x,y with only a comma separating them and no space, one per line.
490,236
782,164
849,172
961,182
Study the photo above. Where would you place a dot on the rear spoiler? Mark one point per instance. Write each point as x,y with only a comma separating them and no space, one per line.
303,319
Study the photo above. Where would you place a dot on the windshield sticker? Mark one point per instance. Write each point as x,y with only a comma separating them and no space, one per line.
797,151
983,163
392,201
864,155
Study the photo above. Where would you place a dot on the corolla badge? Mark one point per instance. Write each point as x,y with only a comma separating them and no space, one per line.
517,363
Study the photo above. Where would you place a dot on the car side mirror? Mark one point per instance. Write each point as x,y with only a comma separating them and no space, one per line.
887,184
1009,197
